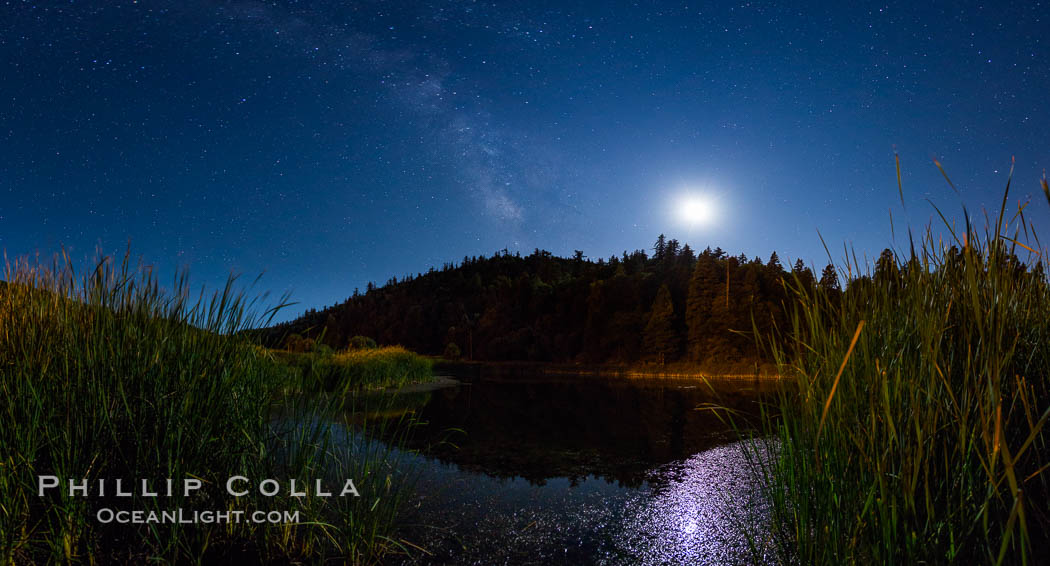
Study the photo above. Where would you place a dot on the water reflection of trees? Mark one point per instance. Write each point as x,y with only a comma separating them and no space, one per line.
616,430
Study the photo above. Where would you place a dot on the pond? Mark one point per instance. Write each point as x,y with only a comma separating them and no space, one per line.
579,471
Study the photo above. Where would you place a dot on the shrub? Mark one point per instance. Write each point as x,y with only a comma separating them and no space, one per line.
362,343
452,351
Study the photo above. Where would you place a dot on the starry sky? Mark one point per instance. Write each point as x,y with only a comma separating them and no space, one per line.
331,143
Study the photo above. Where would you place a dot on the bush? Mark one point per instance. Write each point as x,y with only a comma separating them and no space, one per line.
323,350
452,351
362,343
296,343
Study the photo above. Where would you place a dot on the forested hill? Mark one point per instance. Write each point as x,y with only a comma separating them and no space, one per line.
672,305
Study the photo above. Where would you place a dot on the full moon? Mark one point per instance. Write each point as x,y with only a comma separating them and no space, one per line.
695,210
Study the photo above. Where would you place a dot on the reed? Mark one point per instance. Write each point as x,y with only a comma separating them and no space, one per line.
105,375
383,367
351,370
914,431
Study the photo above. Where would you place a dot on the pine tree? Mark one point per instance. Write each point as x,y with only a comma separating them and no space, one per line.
660,247
703,290
577,262
687,257
723,316
661,340
673,248
774,263
747,305
886,268
829,278
804,274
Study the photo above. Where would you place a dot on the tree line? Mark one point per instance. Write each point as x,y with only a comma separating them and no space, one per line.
670,305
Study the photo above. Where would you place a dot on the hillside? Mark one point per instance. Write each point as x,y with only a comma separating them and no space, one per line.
673,305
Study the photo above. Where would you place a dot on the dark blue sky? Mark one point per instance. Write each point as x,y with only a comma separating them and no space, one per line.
333,143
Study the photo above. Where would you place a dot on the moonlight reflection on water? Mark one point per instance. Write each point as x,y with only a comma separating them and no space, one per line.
689,512
695,517
660,484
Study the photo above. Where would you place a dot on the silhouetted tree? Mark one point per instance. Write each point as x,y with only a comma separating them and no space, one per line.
774,262
886,268
673,248
829,278
829,283
804,275
661,340
660,247
703,288
687,257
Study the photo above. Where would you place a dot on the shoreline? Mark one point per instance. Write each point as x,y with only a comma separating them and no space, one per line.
435,382
469,370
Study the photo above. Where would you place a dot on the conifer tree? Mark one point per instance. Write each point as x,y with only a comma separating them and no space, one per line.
804,274
673,248
661,340
703,289
774,263
687,257
886,268
829,278
660,247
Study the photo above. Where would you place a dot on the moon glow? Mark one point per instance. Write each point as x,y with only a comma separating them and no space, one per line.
696,210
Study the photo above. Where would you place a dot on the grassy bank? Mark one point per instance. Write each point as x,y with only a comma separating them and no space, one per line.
915,431
105,376
363,368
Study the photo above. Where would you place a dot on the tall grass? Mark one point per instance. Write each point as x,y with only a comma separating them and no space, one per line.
105,376
915,430
386,366
350,370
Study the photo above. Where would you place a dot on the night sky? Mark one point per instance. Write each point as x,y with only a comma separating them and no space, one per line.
329,144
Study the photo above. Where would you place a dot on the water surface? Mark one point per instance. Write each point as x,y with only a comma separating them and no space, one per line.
578,471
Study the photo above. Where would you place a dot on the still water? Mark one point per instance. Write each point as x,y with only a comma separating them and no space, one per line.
580,471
